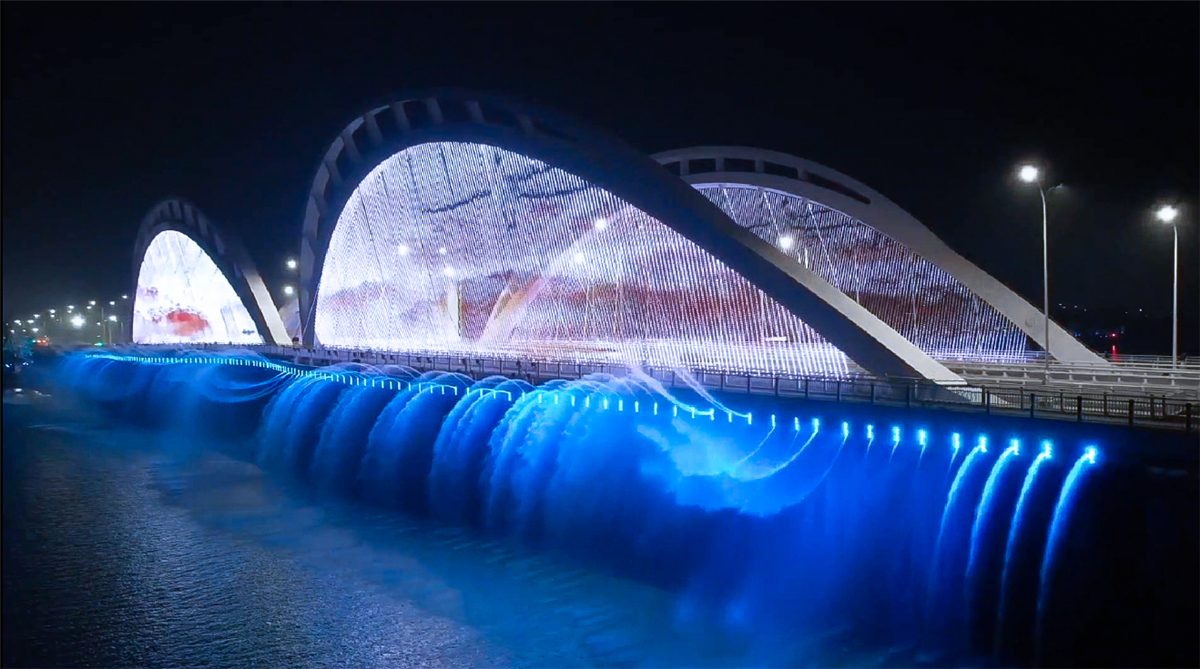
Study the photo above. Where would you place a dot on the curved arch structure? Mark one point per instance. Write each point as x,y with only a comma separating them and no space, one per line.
196,284
468,170
952,300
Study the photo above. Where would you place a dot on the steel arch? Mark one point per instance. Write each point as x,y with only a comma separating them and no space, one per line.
857,200
450,115
224,249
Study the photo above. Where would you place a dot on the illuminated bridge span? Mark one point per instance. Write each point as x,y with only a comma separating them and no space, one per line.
480,227
1131,403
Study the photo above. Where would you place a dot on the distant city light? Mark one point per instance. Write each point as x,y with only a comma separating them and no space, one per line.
112,318
70,307
124,297
34,330
288,290
37,316
77,321
1029,173
18,322
786,242
1167,213
112,303
51,312
92,303
292,264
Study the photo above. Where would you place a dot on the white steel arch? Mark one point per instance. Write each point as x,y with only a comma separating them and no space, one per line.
818,183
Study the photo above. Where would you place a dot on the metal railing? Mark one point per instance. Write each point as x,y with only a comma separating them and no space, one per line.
1102,406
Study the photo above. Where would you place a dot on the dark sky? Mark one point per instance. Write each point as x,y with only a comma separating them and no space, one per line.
109,107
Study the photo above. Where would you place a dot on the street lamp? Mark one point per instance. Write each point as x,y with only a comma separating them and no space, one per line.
92,303
1030,174
1167,215
288,290
77,321
292,264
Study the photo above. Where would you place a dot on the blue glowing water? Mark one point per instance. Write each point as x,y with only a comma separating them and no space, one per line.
760,522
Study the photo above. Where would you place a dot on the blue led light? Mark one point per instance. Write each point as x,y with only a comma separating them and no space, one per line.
816,423
845,430
1047,449
896,434
1090,453
922,437
983,443
1014,445
870,432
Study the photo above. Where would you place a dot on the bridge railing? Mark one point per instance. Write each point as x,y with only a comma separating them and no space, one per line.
1114,407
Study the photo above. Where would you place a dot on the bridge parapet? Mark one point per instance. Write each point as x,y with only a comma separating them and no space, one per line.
1104,404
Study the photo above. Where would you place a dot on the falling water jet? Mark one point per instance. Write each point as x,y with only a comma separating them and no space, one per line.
1058,528
947,572
985,560
1018,582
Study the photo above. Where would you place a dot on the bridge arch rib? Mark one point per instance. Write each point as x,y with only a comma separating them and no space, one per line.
783,173
552,143
196,283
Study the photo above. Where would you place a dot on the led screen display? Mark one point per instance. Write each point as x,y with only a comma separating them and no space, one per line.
183,297
466,248
923,303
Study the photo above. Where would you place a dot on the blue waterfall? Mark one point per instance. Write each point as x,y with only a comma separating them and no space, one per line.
939,542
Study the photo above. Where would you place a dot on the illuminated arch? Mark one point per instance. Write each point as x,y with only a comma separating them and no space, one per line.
781,173
196,284
601,162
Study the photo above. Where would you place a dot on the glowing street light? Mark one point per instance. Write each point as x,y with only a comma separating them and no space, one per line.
292,264
36,316
52,312
70,307
92,303
112,303
77,321
1030,174
1167,215
34,330
288,290
113,319
18,321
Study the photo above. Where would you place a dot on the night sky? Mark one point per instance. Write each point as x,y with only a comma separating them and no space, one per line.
108,108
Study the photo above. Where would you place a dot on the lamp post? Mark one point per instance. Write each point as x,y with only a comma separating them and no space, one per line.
1167,214
1031,174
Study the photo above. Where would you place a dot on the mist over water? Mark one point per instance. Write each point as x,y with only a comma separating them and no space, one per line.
936,546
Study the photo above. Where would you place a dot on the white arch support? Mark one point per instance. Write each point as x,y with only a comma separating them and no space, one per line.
840,192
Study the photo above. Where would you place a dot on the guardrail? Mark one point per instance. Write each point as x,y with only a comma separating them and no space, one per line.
1158,412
